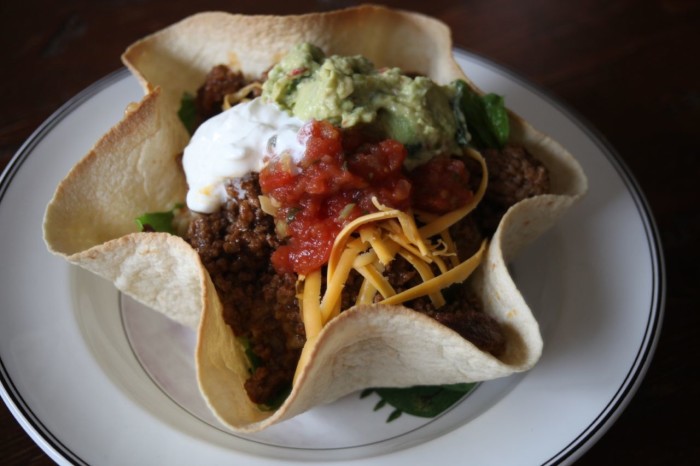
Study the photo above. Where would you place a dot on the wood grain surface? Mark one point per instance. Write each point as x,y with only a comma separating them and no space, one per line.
629,68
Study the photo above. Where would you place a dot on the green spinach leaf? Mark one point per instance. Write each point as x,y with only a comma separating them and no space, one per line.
423,401
188,112
485,117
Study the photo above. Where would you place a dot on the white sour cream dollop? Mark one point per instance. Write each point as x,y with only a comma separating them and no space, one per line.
234,143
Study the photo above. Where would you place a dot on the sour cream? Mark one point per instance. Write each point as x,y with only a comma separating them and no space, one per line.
233,143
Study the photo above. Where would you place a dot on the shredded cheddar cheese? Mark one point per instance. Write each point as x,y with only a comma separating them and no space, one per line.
454,275
369,243
242,95
310,307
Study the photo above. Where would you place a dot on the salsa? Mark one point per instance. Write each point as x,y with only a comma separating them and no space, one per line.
441,185
334,183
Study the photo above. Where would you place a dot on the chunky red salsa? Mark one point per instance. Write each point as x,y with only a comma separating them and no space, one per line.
334,184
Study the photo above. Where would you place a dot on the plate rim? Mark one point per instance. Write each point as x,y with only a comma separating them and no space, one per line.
59,452
11,396
624,394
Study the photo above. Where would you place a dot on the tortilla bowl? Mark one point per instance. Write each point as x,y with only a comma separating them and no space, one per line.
135,168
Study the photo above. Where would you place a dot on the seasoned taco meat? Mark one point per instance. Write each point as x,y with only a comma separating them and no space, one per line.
219,82
235,244
514,175
463,312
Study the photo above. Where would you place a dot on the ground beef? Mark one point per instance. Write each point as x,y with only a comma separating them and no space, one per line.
462,313
220,81
235,244
514,175
467,237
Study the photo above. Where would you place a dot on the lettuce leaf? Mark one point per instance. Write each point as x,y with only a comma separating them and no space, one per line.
158,221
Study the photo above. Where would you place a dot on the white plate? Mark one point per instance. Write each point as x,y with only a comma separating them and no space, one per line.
95,379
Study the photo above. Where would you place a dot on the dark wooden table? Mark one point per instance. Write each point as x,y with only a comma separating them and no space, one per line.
628,67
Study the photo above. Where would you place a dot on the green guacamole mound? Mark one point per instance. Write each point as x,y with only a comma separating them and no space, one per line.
350,91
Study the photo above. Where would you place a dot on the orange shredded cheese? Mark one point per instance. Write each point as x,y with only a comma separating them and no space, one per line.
371,242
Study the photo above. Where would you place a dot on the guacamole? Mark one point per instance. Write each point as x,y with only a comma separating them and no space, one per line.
350,91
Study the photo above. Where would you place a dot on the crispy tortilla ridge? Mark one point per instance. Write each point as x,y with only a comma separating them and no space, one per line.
137,261
134,168
415,350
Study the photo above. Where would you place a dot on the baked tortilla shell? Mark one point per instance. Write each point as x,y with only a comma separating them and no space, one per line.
135,168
